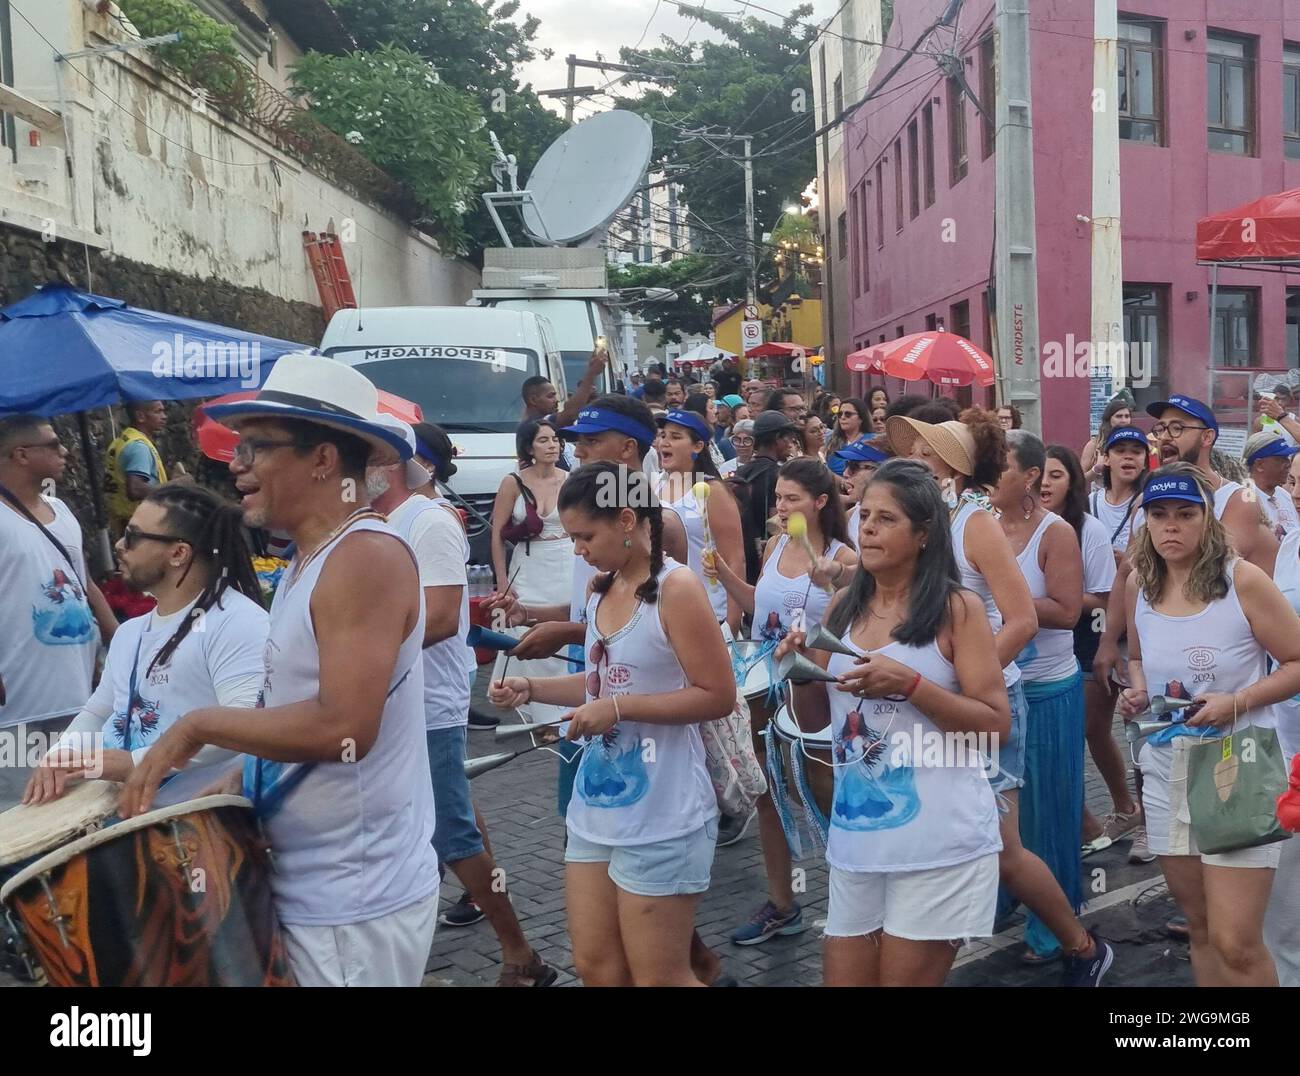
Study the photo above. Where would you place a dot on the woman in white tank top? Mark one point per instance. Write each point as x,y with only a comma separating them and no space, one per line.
913,837
1200,623
642,822
786,598
1051,802
684,457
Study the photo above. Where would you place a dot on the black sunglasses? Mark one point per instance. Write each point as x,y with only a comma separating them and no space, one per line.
133,536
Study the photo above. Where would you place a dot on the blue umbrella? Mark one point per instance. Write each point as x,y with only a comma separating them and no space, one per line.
64,350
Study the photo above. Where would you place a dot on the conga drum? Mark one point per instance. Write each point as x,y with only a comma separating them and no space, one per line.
752,664
800,771
179,896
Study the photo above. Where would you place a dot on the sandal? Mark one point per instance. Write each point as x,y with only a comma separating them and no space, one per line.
535,973
1035,960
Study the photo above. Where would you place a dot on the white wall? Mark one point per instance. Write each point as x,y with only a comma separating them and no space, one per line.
161,183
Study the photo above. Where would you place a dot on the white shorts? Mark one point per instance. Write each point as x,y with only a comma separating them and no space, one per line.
392,950
941,904
1169,825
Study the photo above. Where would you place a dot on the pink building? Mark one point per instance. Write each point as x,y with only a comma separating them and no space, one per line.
1210,118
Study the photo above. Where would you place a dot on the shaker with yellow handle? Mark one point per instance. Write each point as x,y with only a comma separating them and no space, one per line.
797,528
701,492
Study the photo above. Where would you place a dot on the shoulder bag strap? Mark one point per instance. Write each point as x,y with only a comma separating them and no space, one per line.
21,508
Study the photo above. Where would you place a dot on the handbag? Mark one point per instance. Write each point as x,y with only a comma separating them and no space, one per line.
531,525
734,771
1233,785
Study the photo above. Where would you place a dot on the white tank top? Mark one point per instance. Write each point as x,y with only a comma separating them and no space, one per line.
1223,495
448,661
352,840
688,510
854,524
974,580
777,597
1286,574
1112,517
908,796
1210,651
1050,653
639,783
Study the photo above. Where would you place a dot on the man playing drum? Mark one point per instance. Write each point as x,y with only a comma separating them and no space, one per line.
339,766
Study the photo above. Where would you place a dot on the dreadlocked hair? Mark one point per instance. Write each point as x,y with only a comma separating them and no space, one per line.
214,530
603,490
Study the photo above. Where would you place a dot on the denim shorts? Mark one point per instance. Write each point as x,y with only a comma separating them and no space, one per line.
662,869
1009,772
455,833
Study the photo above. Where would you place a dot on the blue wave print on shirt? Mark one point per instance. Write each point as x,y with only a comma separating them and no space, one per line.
871,794
613,775
61,617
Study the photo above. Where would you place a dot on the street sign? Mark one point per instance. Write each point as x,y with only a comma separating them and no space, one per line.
1100,391
751,312
1231,440
751,334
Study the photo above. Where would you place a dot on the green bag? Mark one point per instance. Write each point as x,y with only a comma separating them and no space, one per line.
1233,783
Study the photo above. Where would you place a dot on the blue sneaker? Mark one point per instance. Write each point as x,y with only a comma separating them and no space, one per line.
768,922
1089,972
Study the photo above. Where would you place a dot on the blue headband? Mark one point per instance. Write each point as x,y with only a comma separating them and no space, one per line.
1175,488
593,420
691,421
1277,447
423,450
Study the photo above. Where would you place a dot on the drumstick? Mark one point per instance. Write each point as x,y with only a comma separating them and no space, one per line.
509,583
797,528
701,491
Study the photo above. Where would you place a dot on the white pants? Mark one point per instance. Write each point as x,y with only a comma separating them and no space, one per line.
389,951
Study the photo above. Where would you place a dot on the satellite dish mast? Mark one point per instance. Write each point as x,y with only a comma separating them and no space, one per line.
583,181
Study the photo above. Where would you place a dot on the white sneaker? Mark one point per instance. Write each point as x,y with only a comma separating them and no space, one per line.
1139,852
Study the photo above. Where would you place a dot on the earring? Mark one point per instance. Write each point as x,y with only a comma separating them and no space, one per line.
1028,499
627,543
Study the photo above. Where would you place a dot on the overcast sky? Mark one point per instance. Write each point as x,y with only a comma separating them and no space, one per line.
588,27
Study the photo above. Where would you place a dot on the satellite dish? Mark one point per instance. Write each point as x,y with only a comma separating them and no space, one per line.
586,177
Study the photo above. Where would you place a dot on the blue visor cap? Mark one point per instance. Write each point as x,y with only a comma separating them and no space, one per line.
593,420
860,453
1273,448
1186,404
1125,433
1174,488
424,451
693,422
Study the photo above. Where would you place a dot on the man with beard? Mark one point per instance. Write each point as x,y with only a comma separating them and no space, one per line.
200,646
337,767
1186,430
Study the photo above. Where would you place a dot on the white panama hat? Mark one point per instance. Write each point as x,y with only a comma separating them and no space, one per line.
312,388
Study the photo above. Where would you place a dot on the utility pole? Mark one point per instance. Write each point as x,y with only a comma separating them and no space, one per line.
571,92
1109,355
751,294
1015,257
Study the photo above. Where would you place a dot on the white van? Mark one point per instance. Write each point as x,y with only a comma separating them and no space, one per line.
465,367
576,320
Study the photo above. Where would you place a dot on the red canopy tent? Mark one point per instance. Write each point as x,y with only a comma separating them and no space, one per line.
1263,234
774,350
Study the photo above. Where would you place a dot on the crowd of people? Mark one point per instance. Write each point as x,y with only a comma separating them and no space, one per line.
942,610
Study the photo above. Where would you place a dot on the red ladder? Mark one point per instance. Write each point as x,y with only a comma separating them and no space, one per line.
328,266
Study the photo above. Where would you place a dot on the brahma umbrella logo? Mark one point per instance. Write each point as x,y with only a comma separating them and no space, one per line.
208,360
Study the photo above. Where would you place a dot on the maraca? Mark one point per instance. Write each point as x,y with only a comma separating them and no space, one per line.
797,528
701,492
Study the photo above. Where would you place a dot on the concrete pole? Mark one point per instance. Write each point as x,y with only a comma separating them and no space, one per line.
1109,357
572,61
1016,266
752,251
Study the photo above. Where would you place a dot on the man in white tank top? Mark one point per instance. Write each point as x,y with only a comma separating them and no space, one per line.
338,764
1186,430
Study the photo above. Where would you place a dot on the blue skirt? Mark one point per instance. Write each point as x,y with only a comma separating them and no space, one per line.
1051,801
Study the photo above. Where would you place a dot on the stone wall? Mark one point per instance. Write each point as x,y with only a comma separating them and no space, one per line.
26,262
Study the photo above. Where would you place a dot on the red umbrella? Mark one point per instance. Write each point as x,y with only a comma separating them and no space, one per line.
776,350
217,442
863,361
944,357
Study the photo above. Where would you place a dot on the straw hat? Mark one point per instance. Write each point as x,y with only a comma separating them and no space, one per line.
951,441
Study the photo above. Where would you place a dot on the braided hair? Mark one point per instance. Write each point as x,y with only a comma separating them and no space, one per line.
213,528
603,490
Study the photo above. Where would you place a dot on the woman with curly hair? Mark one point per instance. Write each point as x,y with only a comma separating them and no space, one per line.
1187,584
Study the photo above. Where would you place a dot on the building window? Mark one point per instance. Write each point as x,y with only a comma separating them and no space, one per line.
927,151
880,206
1236,327
931,323
1291,99
914,169
842,229
898,184
957,160
1146,325
899,332
862,238
674,230
988,95
959,318
839,96
1141,115
821,74
1293,327
1230,94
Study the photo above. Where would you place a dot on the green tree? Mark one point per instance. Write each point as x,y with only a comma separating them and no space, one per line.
758,81
693,281
393,107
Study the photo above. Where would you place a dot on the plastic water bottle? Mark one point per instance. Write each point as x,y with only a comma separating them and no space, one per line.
472,576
